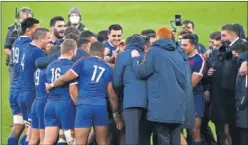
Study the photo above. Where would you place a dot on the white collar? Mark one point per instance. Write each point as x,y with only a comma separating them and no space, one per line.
193,54
97,57
23,36
34,44
110,44
234,41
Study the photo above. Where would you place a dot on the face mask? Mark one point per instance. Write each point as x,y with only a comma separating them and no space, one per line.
225,43
74,19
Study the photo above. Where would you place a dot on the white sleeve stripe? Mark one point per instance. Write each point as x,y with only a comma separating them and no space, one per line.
74,83
200,74
74,72
203,64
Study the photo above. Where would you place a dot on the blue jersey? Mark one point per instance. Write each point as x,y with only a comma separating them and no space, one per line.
54,70
112,48
197,65
40,80
17,51
30,54
93,78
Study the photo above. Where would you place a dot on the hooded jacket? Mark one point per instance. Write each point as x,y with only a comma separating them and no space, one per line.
164,72
124,78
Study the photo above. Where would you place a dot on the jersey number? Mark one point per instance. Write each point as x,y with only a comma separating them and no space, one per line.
55,74
22,62
94,78
15,54
37,77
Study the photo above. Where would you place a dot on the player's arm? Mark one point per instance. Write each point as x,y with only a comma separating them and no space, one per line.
114,105
109,59
112,97
73,88
143,69
198,70
70,75
43,62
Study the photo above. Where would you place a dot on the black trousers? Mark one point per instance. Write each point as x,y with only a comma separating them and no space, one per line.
243,135
168,133
206,132
137,129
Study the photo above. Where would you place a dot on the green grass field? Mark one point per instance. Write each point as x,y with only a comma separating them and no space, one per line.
133,16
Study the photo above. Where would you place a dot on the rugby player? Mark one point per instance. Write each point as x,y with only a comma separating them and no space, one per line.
94,82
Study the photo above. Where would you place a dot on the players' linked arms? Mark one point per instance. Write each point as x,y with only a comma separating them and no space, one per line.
68,76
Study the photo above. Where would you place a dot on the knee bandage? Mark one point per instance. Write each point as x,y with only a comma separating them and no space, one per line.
18,119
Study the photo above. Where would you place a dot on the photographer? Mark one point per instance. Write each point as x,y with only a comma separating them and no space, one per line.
14,31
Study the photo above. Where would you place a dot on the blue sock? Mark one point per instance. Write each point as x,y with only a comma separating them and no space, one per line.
13,140
196,142
23,140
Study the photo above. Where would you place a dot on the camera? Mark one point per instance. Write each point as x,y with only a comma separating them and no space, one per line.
177,21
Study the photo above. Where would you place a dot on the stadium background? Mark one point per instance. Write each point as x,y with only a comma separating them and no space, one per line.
133,17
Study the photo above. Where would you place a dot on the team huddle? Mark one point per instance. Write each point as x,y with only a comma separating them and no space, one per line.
70,86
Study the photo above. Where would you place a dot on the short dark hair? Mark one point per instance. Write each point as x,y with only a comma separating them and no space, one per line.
102,36
87,34
230,27
55,19
53,50
81,41
28,23
115,27
97,47
240,47
148,33
215,35
191,37
73,30
186,22
40,33
72,36
183,32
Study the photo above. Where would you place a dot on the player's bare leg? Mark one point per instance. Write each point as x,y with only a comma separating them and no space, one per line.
81,135
35,136
196,130
28,130
91,136
183,140
17,129
51,134
42,135
228,139
101,134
